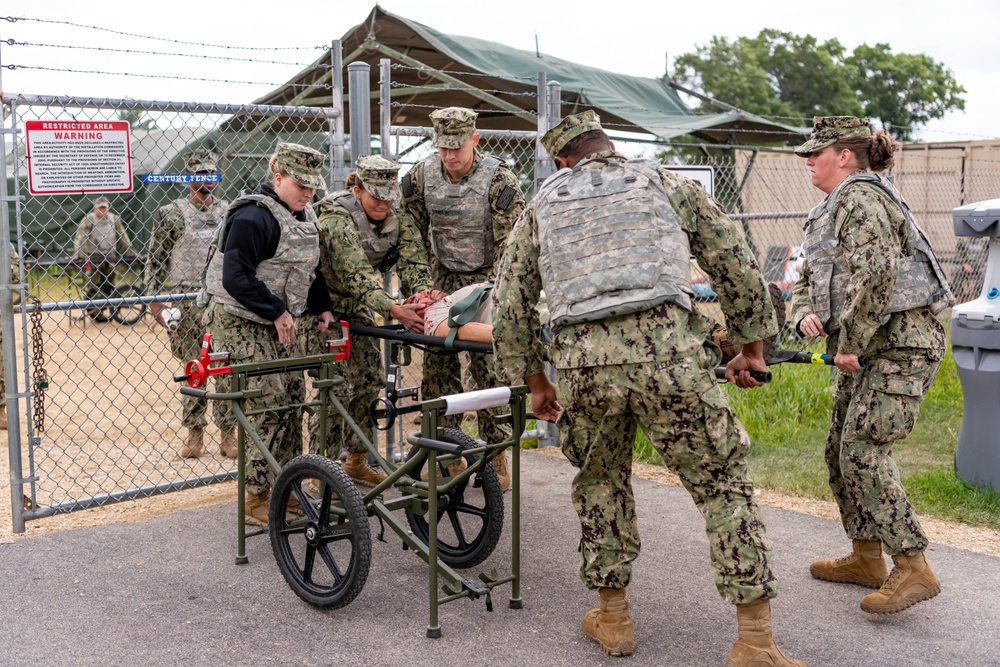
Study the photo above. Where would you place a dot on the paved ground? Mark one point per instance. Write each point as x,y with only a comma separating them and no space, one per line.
166,592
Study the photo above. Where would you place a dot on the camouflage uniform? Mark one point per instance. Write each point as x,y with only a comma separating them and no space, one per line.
350,264
96,240
651,369
878,405
250,337
442,372
182,235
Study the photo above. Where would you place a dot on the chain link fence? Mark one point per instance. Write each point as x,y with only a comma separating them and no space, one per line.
98,410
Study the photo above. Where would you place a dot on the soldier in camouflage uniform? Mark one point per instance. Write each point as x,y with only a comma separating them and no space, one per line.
15,276
182,234
609,240
464,204
359,240
100,233
261,277
872,286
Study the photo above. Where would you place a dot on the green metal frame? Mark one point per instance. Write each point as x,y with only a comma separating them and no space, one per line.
405,477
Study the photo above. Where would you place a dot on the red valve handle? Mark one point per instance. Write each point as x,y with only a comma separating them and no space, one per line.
198,370
342,344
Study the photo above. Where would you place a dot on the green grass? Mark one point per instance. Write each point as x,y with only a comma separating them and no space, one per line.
788,421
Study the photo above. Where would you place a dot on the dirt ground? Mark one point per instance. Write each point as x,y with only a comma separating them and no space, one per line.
150,443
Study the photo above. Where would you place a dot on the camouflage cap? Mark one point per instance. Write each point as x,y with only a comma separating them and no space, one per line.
378,176
570,128
453,126
196,161
828,130
302,163
101,202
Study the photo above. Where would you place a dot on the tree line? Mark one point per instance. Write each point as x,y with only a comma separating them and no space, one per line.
790,78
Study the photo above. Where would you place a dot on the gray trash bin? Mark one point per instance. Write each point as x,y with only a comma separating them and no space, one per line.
975,344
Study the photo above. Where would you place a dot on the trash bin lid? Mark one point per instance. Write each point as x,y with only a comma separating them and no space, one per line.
979,219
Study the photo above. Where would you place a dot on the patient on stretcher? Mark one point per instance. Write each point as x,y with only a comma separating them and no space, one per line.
475,326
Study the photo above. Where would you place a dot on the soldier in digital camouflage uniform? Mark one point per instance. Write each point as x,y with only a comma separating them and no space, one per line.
609,240
262,278
464,204
360,238
183,231
15,277
872,286
101,233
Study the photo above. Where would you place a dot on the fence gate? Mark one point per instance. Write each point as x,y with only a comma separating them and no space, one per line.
92,404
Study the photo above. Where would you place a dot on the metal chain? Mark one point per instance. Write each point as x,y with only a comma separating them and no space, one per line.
41,382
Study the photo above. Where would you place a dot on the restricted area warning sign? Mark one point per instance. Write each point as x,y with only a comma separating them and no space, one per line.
78,157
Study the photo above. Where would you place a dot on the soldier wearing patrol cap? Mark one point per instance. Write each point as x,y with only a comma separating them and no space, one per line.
360,239
464,204
100,235
259,280
872,286
630,351
182,234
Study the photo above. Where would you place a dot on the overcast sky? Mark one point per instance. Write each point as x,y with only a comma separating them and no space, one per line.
631,38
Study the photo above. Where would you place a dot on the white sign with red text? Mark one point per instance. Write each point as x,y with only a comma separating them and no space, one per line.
78,157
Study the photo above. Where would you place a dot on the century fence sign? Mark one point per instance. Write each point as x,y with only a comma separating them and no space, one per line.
181,178
78,157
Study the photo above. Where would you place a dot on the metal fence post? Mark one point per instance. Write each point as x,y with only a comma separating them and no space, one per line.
340,170
385,106
358,90
9,349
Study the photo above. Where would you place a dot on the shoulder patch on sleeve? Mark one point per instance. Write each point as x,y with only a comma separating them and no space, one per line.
407,186
506,198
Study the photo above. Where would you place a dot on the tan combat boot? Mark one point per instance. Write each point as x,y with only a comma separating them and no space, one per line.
503,471
256,508
610,625
227,446
755,646
3,418
911,581
194,444
360,471
864,567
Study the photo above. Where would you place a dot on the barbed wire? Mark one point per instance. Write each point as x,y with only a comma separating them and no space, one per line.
321,86
15,19
11,42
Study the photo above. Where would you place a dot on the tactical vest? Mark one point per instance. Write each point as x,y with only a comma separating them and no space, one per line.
461,219
187,260
610,242
920,280
287,275
375,244
102,238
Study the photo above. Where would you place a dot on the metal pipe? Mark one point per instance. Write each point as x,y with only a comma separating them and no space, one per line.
358,88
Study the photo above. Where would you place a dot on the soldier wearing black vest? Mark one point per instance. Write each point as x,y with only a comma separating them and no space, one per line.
262,277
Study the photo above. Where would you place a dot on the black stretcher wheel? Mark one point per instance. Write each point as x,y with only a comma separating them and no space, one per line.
470,516
319,531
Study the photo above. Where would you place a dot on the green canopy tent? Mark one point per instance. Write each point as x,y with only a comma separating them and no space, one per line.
432,69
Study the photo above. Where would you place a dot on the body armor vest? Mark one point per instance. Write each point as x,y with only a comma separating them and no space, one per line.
920,280
376,244
187,260
610,243
287,275
461,219
103,238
